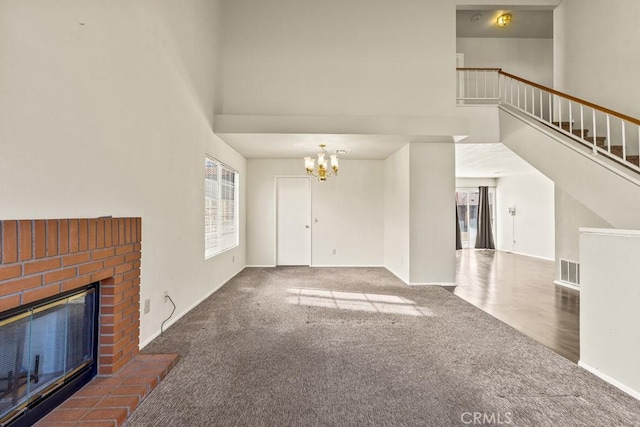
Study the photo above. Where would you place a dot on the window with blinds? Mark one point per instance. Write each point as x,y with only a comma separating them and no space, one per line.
220,207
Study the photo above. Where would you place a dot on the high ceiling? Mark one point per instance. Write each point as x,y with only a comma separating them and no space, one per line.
535,24
472,160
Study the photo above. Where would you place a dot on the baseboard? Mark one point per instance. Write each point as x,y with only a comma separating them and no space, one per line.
528,255
260,266
432,284
191,307
346,266
631,392
567,285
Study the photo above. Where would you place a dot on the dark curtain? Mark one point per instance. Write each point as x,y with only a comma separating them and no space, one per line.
484,238
458,239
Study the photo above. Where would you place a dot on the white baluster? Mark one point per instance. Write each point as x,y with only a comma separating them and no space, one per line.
581,121
570,118
560,112
624,141
608,133
541,112
476,81
485,84
593,117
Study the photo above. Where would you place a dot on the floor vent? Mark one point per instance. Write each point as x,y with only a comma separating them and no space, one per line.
570,272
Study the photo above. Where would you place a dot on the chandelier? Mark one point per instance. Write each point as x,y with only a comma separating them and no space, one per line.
322,172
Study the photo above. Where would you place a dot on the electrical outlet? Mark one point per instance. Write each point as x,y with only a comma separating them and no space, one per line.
147,306
334,251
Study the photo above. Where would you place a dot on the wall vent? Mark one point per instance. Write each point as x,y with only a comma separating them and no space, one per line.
570,272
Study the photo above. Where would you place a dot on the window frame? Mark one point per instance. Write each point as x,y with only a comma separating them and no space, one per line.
224,227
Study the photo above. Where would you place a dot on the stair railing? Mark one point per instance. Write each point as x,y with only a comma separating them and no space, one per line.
605,131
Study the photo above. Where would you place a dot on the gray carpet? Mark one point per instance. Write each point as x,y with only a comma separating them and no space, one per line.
345,346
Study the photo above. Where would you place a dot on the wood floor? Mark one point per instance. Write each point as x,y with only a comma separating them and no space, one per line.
519,290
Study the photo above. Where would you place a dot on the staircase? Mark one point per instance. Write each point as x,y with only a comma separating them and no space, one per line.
605,132
600,141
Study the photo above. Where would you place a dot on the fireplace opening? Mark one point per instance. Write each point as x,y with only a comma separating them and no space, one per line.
48,351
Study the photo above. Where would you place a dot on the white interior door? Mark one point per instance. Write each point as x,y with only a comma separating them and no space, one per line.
293,222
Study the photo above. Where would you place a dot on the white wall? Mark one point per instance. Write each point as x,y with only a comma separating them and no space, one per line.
531,59
432,213
397,213
571,215
106,109
533,226
348,209
596,52
613,193
609,315
336,57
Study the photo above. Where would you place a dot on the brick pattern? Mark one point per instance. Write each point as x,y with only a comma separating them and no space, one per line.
108,401
42,258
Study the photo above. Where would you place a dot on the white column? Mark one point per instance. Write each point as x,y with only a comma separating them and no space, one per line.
432,215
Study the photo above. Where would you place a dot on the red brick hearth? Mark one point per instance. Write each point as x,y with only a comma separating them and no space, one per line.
42,258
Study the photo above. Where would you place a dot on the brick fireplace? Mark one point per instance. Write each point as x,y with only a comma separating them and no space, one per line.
43,258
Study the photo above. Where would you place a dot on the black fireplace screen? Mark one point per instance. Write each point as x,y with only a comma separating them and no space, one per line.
42,348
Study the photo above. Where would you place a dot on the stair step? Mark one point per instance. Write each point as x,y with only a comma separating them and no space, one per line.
567,126
634,159
563,125
600,140
616,150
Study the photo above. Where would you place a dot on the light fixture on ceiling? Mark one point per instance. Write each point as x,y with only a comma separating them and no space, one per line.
503,19
322,172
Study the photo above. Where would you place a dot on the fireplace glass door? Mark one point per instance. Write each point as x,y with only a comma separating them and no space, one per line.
42,347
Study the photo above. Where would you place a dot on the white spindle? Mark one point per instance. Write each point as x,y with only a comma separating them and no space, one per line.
541,112
595,130
511,86
485,85
624,140
518,94
525,97
533,100
466,86
550,107
608,133
570,118
476,81
581,121
560,112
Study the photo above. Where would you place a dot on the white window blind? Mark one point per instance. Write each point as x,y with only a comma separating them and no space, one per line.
220,207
